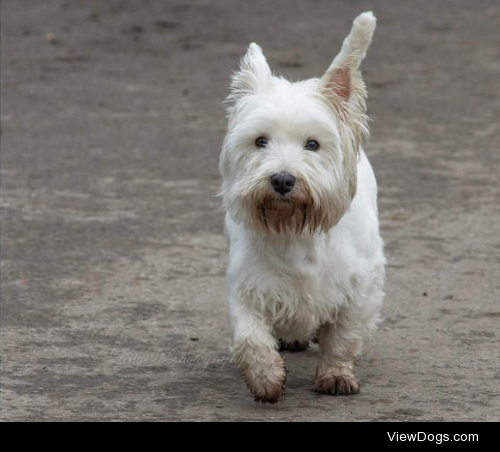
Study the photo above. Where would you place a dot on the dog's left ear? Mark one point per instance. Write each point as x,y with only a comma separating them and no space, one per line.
253,76
344,88
343,84
337,83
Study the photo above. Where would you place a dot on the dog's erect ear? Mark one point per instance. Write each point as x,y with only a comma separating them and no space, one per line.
253,76
344,90
343,86
337,83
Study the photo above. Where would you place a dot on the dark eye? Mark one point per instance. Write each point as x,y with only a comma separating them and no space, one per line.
262,142
312,145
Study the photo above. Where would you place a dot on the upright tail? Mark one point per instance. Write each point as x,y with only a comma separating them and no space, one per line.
359,39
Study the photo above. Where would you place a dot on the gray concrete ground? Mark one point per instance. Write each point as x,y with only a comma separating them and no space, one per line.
113,254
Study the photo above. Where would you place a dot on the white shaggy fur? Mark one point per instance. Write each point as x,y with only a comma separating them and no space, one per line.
307,265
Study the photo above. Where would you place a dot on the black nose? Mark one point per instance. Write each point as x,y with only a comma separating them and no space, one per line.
283,183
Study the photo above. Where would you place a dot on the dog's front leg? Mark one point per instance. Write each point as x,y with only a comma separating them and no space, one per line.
339,345
255,351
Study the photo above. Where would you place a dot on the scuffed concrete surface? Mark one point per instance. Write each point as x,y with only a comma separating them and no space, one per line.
113,256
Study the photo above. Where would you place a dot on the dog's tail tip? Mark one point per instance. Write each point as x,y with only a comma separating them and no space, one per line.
367,21
255,49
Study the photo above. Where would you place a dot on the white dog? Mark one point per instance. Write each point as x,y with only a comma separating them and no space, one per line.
306,257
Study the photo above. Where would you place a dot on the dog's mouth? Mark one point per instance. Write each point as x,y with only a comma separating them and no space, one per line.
280,214
285,204
280,204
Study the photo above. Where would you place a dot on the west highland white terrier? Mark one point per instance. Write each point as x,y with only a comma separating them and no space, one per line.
306,257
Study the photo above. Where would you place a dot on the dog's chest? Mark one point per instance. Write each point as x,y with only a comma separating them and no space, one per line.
294,263
301,284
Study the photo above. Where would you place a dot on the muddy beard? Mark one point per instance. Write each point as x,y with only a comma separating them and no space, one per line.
284,216
294,214
281,216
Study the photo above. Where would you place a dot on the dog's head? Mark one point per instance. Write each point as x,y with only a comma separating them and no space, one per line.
289,160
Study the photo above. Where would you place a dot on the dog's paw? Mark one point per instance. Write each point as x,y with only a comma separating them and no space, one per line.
293,347
267,381
338,385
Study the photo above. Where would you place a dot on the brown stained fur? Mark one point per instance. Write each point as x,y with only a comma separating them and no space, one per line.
294,216
344,91
273,394
341,385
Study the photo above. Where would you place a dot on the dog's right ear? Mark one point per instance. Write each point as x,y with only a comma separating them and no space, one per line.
253,76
